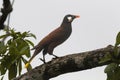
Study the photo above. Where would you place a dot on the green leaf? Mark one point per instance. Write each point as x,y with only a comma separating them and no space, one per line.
24,50
19,66
2,36
109,69
24,34
2,78
116,50
7,61
3,48
113,71
12,71
11,52
12,31
23,47
2,69
29,42
32,35
117,39
9,41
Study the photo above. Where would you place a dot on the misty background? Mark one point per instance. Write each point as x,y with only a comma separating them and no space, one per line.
97,27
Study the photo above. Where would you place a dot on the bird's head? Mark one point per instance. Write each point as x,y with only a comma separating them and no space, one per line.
69,18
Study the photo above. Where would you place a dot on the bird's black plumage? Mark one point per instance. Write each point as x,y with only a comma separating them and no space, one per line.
55,38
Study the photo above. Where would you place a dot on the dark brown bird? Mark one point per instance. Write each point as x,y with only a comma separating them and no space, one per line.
55,38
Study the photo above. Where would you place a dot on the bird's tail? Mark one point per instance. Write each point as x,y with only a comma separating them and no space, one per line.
28,63
34,48
35,53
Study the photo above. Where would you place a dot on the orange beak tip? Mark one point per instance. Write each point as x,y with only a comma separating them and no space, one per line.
77,16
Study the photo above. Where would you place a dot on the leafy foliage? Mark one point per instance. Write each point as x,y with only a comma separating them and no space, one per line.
13,52
113,70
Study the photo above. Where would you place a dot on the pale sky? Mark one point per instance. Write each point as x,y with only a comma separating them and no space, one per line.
97,27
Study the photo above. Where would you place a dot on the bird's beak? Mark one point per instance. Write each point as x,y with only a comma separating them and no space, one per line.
77,16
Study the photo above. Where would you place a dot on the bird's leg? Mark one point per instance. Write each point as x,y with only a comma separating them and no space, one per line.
44,53
51,48
43,60
55,56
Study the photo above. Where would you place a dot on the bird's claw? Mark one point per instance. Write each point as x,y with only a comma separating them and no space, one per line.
42,60
55,57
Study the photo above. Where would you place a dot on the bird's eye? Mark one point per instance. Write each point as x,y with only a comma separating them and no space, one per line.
69,19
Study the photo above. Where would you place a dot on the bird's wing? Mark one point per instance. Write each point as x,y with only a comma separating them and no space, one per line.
58,35
51,37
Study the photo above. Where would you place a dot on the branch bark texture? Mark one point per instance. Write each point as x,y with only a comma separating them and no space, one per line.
68,63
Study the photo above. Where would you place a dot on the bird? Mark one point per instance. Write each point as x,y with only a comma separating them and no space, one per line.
53,39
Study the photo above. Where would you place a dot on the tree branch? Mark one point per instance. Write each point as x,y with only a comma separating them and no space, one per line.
69,63
7,8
